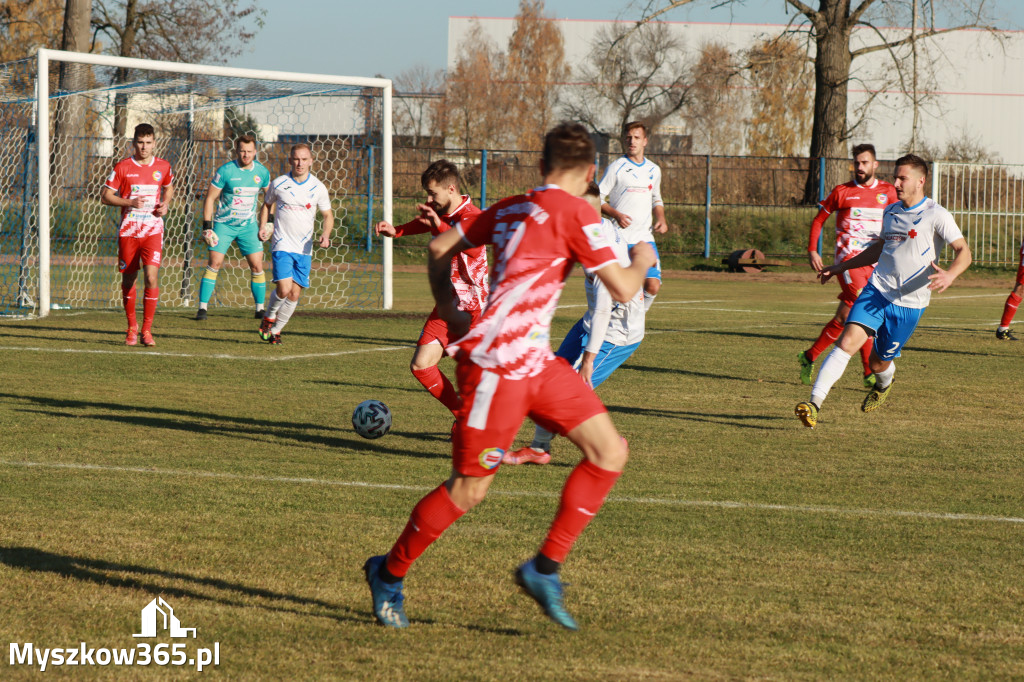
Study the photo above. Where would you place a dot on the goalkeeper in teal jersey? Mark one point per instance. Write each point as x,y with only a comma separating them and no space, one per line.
234,193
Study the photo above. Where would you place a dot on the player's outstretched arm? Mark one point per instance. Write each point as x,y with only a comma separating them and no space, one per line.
266,228
660,224
440,252
868,256
813,257
941,280
328,228
623,283
384,228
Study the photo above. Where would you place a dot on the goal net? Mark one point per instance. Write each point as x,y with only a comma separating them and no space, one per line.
68,118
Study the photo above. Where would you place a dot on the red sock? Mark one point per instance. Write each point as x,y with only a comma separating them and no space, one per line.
582,497
128,300
149,299
1010,309
434,380
430,517
865,355
828,336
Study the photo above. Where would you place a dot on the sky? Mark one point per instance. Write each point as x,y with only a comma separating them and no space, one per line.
387,37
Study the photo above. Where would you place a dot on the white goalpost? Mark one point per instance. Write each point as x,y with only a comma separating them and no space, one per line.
83,126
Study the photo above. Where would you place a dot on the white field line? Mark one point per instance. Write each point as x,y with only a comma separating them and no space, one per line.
652,501
216,356
660,303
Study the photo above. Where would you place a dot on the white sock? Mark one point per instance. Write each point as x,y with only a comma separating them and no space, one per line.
275,303
648,301
828,375
1001,329
541,439
284,311
202,306
883,379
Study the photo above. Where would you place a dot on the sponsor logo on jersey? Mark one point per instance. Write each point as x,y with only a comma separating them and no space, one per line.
491,457
121,265
237,190
256,180
135,189
882,198
856,212
157,175
896,237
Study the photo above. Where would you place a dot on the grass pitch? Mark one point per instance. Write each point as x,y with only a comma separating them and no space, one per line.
222,473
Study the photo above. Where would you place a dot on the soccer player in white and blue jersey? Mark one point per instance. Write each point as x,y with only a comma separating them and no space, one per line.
600,341
914,230
631,191
295,198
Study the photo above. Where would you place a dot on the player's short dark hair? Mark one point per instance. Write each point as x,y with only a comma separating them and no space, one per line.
633,125
592,190
866,147
245,139
914,161
144,130
443,172
567,145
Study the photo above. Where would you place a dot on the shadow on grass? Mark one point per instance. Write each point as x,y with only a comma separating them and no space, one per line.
737,420
145,578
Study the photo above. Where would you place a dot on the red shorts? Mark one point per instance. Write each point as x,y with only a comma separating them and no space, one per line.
131,251
493,409
852,281
1020,266
435,330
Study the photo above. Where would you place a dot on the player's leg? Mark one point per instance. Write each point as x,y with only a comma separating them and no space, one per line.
291,290
428,353
852,282
1003,332
128,262
252,248
897,329
282,262
150,250
209,280
652,285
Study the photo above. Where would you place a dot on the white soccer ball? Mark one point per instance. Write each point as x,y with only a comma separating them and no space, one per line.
371,419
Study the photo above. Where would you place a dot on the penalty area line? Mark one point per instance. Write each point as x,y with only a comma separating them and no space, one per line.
652,501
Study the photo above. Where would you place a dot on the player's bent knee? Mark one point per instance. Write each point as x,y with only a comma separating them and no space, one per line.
467,492
601,443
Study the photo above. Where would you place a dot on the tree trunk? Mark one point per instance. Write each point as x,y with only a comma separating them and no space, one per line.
70,112
831,80
131,19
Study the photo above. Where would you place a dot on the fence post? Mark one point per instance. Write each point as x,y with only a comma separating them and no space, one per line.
483,178
821,194
707,210
369,199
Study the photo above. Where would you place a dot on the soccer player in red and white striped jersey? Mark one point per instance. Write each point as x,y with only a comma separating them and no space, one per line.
142,186
506,369
1003,332
446,207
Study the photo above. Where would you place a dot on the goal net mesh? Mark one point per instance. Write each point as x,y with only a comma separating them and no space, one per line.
93,111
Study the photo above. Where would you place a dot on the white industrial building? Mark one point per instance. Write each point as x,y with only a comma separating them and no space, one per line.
975,88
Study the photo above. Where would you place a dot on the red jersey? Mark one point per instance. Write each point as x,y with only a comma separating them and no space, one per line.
538,238
469,268
858,210
130,179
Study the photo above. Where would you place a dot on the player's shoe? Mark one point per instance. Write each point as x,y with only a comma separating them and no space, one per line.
147,338
526,455
132,337
265,326
1005,335
275,339
806,366
807,413
870,381
877,396
201,314
387,597
546,590
259,314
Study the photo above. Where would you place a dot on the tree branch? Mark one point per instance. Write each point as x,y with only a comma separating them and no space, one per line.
931,33
856,14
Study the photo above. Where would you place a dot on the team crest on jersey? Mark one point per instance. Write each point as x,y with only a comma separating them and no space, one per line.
491,458
882,198
157,175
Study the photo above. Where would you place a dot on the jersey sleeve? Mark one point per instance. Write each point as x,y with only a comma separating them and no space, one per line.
831,202
169,177
607,183
587,239
600,317
114,180
946,227
478,230
412,227
656,188
323,199
270,196
218,180
816,225
264,177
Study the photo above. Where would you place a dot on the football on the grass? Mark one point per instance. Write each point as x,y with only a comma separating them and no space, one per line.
371,419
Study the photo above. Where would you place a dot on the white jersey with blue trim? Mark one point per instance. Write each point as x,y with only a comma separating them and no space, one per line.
623,323
633,189
913,238
295,207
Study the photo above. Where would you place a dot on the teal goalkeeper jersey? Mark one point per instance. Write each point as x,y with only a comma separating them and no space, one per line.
240,190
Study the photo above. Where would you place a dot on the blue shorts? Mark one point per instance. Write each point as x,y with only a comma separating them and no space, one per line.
890,324
609,358
293,266
655,270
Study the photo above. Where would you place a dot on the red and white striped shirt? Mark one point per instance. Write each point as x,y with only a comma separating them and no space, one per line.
858,210
538,238
130,179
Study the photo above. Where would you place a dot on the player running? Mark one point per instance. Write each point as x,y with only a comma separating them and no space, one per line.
295,197
446,207
914,230
605,337
631,188
858,206
506,369
1003,332
142,185
234,191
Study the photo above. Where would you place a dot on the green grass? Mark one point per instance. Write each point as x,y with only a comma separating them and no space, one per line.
227,485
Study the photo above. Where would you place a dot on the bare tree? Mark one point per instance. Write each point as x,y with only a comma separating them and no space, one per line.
419,97
633,73
27,25
714,111
71,113
535,66
477,98
780,121
831,26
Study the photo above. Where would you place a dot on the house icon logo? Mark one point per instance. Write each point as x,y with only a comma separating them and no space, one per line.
150,622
